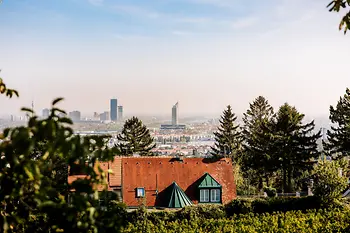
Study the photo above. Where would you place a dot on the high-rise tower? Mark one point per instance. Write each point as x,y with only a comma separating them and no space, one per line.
114,109
120,113
174,120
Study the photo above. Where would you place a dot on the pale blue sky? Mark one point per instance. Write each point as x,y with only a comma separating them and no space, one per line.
151,53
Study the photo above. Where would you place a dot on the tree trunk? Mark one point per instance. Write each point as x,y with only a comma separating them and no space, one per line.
284,180
260,185
267,180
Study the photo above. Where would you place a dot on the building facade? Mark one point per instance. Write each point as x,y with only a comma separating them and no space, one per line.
169,182
75,116
46,113
174,119
113,109
120,113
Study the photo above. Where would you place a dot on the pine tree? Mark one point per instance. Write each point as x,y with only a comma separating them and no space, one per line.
135,138
227,138
295,144
338,143
257,139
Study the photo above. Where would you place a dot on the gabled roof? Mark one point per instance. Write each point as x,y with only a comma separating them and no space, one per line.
177,197
156,174
208,182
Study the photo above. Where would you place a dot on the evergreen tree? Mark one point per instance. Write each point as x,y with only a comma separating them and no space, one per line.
338,143
135,138
227,138
257,139
295,144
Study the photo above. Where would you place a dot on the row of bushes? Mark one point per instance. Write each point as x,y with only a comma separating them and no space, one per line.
239,206
324,221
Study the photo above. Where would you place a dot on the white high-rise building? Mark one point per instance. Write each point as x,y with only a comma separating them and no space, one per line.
174,119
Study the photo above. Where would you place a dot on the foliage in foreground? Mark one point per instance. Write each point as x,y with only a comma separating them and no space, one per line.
341,5
293,221
34,190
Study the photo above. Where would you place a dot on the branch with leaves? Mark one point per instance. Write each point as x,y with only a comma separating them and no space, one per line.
338,5
5,91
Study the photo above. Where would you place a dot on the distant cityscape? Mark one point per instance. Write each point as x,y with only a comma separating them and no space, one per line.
173,136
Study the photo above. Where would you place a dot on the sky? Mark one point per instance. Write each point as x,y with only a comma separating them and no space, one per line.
150,54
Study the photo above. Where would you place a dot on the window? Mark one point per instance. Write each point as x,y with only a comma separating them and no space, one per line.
140,192
204,195
215,195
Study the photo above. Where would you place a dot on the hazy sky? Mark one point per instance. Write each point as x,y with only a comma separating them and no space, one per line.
149,54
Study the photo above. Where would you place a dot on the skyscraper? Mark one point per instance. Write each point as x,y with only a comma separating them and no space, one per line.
174,120
120,113
114,106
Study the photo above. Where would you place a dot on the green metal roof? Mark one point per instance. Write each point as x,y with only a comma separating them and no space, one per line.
178,198
209,182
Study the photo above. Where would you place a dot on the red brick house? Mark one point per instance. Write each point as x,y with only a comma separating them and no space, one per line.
170,182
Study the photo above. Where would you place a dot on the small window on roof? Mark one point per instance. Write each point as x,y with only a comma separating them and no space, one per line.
140,192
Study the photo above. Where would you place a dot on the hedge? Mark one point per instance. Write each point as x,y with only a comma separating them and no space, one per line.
293,221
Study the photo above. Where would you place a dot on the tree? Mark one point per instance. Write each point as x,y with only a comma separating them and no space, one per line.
339,5
329,181
257,139
135,138
227,138
30,199
295,144
338,143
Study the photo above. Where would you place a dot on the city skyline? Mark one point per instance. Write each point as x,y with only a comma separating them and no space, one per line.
228,52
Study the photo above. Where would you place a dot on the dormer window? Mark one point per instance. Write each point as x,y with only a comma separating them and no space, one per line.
140,192
210,191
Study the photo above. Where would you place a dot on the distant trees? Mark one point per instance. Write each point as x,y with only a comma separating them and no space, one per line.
338,143
339,5
135,138
227,137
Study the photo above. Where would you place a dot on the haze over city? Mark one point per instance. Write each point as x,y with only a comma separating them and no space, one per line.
205,54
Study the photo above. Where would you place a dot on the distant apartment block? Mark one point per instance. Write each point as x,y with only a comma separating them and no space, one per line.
174,120
113,109
46,113
75,116
104,116
120,113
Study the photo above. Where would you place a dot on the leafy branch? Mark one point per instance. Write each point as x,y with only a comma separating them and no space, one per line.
338,5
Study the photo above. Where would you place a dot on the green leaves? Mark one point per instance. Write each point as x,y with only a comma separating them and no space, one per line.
338,5
56,101
8,92
227,137
135,138
330,180
34,176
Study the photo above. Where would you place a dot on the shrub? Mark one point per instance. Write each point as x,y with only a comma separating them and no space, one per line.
205,211
238,206
271,192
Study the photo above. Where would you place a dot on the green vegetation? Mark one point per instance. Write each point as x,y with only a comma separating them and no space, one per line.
341,5
330,180
338,144
257,159
36,160
227,138
135,138
294,221
35,195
